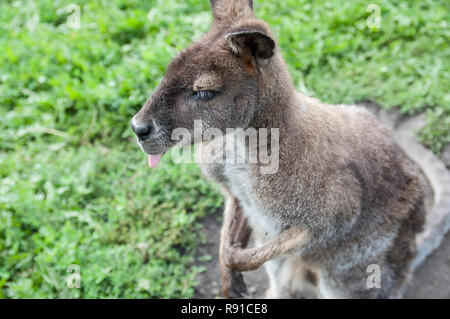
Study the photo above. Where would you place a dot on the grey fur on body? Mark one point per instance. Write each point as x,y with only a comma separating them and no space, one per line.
345,195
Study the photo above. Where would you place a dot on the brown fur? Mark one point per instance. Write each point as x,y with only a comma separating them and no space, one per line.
345,195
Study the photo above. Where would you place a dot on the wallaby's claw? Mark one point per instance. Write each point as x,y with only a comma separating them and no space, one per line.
233,285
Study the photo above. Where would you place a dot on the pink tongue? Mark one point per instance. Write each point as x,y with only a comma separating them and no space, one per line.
153,160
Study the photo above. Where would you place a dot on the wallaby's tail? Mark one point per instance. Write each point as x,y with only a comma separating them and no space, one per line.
438,218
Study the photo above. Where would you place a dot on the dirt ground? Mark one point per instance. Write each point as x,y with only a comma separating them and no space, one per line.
430,280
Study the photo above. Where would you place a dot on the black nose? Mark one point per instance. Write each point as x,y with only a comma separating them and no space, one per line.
142,130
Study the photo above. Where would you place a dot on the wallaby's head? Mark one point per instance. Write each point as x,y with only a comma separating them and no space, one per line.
219,80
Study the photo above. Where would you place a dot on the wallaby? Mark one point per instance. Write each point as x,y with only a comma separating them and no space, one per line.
344,197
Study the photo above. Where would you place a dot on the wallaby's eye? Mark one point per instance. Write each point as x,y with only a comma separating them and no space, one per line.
204,95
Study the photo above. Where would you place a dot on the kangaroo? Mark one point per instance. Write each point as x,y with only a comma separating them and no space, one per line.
345,195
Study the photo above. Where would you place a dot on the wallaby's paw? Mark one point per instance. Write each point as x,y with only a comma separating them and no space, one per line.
233,285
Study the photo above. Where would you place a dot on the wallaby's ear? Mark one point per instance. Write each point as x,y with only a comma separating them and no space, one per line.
259,44
223,9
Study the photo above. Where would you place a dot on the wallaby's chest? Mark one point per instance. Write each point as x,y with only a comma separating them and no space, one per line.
238,180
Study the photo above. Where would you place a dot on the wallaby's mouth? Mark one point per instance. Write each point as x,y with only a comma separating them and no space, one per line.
153,152
153,160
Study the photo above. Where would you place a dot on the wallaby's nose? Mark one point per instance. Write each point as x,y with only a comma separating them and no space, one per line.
142,130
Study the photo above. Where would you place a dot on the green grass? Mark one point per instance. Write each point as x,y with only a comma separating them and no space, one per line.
75,188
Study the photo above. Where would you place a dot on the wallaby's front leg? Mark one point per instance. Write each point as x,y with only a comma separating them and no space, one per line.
241,259
235,231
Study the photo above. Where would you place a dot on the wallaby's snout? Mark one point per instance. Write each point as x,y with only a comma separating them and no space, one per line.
143,130
152,127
